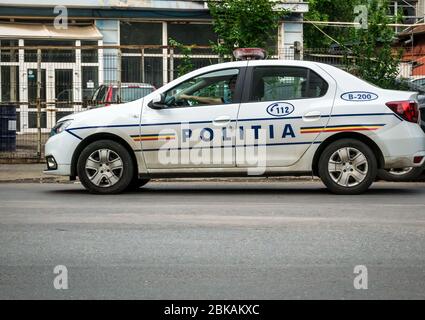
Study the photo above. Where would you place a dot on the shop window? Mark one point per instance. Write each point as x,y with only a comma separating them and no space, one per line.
132,70
89,55
50,55
90,82
9,55
141,33
193,34
32,119
9,84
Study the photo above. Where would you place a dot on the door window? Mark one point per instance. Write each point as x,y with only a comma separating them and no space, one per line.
63,87
214,88
286,83
32,86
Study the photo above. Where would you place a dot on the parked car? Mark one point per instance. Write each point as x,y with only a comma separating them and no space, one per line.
67,96
418,81
408,173
241,119
108,94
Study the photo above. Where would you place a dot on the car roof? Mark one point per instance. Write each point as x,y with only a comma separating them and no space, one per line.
127,85
265,62
244,63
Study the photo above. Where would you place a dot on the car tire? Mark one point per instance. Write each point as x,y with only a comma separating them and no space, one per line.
137,183
400,175
347,166
105,167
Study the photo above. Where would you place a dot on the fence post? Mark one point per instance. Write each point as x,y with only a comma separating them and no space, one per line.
142,64
119,55
297,50
38,102
171,63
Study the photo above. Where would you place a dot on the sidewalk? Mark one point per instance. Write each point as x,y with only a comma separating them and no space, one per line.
33,172
28,172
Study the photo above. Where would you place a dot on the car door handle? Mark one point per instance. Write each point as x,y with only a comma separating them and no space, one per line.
312,116
221,121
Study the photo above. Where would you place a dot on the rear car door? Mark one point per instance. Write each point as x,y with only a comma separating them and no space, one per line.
282,113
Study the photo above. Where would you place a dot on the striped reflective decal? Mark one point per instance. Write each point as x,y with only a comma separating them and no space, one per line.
350,127
154,137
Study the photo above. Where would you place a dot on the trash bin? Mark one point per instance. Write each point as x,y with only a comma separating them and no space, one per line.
7,128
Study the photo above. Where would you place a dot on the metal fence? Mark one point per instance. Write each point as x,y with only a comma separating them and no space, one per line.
39,85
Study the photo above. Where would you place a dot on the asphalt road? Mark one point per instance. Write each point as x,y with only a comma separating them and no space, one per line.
215,240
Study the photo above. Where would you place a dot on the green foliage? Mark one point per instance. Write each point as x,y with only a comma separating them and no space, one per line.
375,59
328,10
244,23
186,65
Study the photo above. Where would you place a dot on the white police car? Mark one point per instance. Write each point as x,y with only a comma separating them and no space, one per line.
244,118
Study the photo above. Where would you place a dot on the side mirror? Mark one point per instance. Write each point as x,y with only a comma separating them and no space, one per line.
158,102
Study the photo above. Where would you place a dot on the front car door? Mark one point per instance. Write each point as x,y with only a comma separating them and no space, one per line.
282,113
196,127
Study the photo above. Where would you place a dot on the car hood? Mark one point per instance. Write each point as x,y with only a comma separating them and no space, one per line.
112,114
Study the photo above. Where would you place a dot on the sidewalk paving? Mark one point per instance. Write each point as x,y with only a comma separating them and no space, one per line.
28,172
33,172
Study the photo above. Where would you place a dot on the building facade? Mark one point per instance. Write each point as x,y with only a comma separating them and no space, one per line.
79,61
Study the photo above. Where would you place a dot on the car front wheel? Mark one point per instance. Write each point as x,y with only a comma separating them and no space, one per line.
105,167
347,166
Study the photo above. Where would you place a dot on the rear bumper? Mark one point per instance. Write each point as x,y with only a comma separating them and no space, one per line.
401,144
404,162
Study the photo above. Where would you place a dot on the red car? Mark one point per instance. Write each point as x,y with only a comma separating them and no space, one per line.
108,94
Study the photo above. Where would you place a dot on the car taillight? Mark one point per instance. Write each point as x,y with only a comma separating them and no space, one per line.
408,110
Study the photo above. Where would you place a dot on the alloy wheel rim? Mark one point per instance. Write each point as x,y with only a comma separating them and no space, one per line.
348,167
104,168
400,172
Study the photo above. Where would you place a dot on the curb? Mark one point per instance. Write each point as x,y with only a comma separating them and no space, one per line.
67,181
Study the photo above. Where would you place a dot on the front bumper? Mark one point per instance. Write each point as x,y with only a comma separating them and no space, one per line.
60,149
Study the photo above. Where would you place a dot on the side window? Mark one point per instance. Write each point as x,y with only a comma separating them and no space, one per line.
214,88
101,96
419,82
286,83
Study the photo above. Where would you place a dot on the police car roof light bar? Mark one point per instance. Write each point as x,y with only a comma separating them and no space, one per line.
250,54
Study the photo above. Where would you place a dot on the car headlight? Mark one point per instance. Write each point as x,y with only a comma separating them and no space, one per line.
60,127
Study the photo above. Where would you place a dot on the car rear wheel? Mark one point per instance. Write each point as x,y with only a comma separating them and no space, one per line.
399,175
347,166
105,167
137,183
